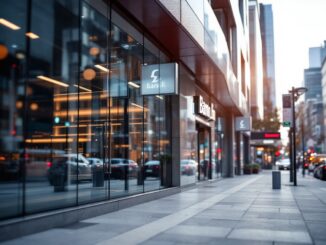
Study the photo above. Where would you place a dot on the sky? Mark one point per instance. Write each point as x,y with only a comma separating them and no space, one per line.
298,25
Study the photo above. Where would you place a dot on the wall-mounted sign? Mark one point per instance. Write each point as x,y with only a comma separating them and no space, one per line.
159,79
287,110
203,108
242,123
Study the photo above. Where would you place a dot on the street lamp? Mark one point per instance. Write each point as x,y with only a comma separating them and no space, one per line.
295,94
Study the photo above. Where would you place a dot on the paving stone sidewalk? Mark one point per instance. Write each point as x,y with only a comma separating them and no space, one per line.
240,210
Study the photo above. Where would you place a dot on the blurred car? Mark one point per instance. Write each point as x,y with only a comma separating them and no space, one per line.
95,162
121,166
152,168
67,166
283,164
188,167
9,166
320,171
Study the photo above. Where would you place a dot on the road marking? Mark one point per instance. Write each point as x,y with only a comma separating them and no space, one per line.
145,232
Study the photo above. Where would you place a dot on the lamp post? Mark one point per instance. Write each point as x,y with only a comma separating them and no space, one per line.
295,94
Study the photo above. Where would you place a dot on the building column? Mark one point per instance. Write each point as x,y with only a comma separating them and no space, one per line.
237,153
228,145
246,150
175,121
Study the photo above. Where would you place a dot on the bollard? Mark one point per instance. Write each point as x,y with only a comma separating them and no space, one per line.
276,179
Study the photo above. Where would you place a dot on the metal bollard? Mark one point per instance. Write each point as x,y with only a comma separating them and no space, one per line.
276,179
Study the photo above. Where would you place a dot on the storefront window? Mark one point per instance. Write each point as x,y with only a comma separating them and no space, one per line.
188,134
51,159
13,16
76,127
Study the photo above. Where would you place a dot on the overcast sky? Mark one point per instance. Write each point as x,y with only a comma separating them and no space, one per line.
298,25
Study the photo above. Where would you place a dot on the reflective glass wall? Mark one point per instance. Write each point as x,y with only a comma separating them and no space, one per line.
74,126
188,133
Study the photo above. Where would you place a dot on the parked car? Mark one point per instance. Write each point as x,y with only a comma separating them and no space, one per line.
320,171
283,164
9,166
152,168
95,162
68,166
188,167
119,166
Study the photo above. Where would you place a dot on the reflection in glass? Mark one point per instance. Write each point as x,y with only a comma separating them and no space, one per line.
75,128
12,66
51,160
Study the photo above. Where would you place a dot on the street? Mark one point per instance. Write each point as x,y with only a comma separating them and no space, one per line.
240,210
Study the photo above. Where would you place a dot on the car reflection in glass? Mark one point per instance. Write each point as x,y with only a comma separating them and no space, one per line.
95,162
122,168
152,168
66,165
188,167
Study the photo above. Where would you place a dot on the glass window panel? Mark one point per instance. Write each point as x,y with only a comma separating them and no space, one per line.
126,113
93,103
51,142
151,149
188,134
12,87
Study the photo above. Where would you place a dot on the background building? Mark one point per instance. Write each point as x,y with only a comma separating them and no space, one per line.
314,117
256,62
267,32
323,72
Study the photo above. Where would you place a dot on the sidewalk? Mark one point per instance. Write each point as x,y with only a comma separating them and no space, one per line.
240,210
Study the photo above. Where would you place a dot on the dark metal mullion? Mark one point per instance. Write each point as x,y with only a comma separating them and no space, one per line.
143,129
159,122
109,45
78,94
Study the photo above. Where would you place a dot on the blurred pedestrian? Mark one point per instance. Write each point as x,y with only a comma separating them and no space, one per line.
303,170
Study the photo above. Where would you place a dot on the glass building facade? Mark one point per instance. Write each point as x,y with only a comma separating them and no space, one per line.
77,125
74,127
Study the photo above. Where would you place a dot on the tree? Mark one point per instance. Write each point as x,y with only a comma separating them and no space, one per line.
271,121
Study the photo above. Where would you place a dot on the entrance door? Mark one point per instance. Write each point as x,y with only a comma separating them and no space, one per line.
204,154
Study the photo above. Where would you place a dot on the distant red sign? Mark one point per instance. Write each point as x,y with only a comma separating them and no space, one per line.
265,135
272,136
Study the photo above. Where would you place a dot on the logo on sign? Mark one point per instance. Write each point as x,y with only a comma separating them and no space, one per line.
154,76
203,108
159,79
243,123
156,83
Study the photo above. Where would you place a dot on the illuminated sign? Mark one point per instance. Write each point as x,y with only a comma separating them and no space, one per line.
159,79
203,108
265,135
272,136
